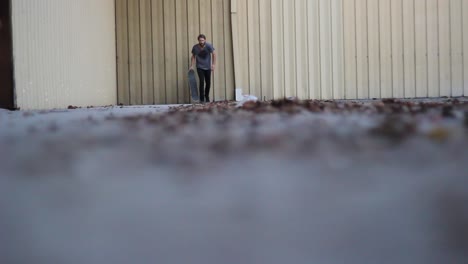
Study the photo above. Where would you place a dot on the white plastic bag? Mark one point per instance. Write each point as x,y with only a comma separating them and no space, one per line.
246,98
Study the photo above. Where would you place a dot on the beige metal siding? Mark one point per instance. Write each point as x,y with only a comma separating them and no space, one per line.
465,47
421,57
313,49
154,42
456,47
433,47
277,36
409,49
362,47
64,53
219,78
397,48
351,48
374,60
289,51
253,46
265,54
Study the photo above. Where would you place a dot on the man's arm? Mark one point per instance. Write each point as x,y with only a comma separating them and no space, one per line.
193,62
213,63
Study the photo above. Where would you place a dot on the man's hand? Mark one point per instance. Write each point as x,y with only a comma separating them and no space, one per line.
191,68
214,61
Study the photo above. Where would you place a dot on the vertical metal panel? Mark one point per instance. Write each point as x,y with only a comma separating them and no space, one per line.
313,26
289,49
456,54
146,52
235,42
362,49
444,48
465,47
386,48
253,48
193,20
350,49
153,49
161,42
159,53
228,50
374,48
409,48
326,57
337,48
134,47
170,51
62,59
182,51
302,68
433,47
242,74
397,48
266,49
277,45
421,48
193,26
122,52
206,18
219,75
386,73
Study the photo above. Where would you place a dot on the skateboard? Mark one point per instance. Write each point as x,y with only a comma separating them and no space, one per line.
193,86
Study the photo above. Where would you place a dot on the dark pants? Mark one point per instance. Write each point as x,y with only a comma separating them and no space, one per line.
204,76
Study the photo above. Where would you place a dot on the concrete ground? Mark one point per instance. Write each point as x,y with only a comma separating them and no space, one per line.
273,182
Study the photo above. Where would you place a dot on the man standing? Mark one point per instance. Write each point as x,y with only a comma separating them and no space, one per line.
201,53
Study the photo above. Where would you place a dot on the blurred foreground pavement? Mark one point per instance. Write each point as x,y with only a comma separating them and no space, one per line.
283,182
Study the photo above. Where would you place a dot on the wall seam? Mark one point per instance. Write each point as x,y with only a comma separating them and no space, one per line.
380,50
343,53
213,83
463,50
332,57
414,48
403,45
391,51
177,72
320,48
356,50
284,47
164,49
295,49
152,52
450,47
141,57
367,51
129,87
427,49
272,40
225,54
248,45
438,47
260,36
116,51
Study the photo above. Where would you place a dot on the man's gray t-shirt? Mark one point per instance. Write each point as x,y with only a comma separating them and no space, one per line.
203,55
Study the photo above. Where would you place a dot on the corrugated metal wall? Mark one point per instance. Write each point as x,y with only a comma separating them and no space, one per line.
64,53
154,41
351,49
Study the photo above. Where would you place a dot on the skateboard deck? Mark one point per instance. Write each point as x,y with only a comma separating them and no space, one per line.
193,86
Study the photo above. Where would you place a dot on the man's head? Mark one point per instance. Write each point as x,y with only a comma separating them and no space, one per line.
201,39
